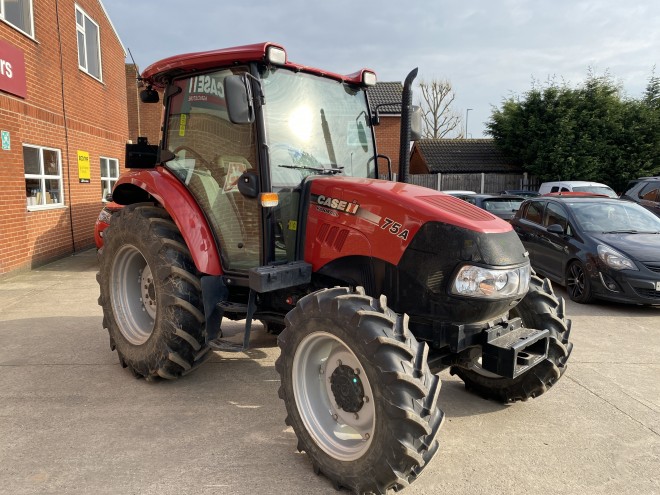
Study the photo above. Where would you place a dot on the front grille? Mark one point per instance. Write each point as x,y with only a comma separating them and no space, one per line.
654,267
648,293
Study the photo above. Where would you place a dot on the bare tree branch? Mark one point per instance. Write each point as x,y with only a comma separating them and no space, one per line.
438,118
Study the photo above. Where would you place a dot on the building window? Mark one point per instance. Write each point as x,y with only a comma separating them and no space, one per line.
43,177
109,176
89,47
18,13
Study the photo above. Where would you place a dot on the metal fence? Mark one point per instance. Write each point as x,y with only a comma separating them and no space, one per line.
481,182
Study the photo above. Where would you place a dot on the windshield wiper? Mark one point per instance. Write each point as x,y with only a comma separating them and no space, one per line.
320,170
631,232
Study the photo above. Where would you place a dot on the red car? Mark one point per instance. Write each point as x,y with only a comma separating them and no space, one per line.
103,221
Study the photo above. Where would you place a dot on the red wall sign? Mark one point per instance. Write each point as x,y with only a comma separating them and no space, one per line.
12,70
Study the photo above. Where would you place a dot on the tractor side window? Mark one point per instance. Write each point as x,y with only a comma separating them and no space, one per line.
211,153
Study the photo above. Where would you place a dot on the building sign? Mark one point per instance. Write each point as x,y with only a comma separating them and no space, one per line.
84,169
12,70
6,140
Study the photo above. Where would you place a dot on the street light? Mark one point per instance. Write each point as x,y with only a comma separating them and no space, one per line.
467,112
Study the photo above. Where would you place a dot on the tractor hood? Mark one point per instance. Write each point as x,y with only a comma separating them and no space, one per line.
379,218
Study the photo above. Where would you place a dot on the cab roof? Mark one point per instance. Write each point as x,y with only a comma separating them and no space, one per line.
159,73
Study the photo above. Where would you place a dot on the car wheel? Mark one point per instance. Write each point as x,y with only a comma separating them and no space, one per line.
578,284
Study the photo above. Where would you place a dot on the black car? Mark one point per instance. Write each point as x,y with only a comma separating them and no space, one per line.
646,192
504,207
596,247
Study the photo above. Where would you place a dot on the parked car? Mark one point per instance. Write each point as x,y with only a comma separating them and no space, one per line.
504,207
103,220
646,192
520,192
577,186
458,193
596,247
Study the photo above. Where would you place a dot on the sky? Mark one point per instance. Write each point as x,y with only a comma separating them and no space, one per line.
489,50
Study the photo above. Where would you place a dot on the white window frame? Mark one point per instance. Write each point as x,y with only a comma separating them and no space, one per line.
19,28
108,181
41,202
80,29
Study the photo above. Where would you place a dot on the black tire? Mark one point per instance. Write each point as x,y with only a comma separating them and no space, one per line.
540,309
151,295
375,368
578,284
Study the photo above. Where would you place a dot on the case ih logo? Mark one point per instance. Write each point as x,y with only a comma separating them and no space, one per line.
337,204
12,70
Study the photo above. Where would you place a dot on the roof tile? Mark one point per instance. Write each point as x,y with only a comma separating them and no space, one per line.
464,156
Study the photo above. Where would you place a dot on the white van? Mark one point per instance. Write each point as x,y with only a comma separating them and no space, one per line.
577,186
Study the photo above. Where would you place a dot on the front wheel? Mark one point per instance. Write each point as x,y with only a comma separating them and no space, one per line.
539,309
578,284
358,391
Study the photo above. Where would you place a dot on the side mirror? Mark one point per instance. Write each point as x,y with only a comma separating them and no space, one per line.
416,123
248,184
555,228
149,96
240,104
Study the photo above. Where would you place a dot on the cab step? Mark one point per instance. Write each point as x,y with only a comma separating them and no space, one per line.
226,345
232,307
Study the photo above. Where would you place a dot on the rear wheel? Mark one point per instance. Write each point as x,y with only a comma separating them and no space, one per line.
539,309
151,295
358,391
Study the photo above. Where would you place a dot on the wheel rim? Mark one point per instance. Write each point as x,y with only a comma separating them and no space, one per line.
133,295
576,281
333,396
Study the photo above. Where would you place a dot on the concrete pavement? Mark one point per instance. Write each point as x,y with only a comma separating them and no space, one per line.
73,421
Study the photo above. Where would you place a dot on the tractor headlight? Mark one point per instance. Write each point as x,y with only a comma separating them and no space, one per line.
490,283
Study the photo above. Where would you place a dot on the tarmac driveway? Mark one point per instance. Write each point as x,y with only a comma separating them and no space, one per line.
73,421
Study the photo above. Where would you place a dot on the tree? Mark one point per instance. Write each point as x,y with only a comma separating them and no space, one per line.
592,132
438,118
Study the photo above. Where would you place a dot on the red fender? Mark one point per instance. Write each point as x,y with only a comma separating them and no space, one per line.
163,186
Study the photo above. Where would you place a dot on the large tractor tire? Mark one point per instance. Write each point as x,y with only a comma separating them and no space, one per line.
358,391
151,295
539,309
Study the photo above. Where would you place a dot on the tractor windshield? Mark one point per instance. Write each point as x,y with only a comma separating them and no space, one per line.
315,126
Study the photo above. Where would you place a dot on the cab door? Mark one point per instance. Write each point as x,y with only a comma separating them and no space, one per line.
210,154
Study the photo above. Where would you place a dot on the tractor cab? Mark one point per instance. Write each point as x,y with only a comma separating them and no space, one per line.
244,138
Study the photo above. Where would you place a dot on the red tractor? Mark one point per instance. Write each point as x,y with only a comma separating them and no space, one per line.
262,202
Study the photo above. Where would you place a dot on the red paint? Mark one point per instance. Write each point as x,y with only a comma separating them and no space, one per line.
156,73
12,70
332,233
184,210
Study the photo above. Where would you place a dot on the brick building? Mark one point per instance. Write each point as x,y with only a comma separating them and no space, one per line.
64,125
388,132
144,119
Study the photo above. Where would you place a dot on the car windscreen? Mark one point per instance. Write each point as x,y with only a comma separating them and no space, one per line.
614,217
502,204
